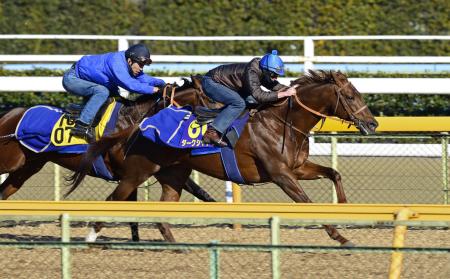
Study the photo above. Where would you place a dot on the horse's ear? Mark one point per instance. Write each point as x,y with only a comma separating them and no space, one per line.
197,81
338,78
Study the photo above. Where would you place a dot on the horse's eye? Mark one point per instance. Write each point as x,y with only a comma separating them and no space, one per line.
350,98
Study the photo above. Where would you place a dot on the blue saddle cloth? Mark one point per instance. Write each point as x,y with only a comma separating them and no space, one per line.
35,128
178,128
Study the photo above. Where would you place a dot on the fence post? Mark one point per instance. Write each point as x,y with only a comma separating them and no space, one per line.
334,165
237,197
398,242
65,250
275,240
232,195
228,191
122,44
146,190
308,46
57,179
444,142
214,260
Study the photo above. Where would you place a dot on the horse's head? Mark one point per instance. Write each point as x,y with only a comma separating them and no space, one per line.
352,106
332,94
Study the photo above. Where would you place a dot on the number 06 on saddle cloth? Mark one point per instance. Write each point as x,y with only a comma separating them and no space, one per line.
178,128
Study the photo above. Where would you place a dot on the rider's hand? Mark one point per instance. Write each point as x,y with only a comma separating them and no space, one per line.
287,93
155,89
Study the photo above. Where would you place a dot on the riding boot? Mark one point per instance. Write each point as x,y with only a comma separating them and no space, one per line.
211,136
82,130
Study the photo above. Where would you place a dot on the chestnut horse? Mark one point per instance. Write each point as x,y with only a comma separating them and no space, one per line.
273,147
21,163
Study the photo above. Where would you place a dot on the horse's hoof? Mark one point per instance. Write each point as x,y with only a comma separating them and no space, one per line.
92,236
348,244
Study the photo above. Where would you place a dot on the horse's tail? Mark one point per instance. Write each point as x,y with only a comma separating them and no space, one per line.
97,149
192,187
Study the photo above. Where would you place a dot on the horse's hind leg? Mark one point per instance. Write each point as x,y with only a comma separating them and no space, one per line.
172,181
312,171
17,178
18,165
12,156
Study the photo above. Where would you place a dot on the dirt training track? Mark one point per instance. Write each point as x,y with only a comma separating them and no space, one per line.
112,263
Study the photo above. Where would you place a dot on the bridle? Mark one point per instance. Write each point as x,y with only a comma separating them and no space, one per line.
340,99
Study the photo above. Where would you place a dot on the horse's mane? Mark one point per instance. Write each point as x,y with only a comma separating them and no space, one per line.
317,77
131,105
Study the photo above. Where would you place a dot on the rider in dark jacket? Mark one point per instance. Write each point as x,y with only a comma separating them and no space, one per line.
231,84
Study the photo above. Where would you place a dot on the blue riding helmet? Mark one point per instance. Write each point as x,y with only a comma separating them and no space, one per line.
272,62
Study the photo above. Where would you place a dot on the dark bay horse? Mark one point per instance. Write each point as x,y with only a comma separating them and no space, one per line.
273,147
21,163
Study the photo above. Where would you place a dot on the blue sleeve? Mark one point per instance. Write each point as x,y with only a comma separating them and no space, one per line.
119,73
150,80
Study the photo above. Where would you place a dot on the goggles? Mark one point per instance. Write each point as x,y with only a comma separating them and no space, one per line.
142,61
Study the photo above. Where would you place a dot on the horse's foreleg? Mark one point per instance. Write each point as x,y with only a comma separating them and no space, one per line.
197,191
134,226
118,194
287,181
312,171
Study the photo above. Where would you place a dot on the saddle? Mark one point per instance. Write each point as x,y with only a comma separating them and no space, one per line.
74,110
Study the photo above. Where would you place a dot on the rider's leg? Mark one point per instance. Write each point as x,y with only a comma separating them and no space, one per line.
234,106
97,94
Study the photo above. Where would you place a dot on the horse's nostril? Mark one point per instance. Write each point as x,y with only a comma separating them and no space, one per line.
373,124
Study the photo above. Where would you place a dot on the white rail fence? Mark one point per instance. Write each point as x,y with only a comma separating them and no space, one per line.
365,85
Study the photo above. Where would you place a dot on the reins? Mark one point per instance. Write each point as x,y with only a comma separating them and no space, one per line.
172,96
340,100
321,115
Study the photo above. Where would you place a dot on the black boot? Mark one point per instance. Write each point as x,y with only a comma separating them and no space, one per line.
212,136
83,130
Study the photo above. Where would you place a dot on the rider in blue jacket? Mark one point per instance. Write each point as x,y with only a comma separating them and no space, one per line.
98,76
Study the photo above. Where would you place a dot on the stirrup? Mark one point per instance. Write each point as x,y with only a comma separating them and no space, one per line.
82,130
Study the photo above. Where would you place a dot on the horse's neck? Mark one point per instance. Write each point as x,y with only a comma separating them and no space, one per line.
298,117
315,98
133,113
